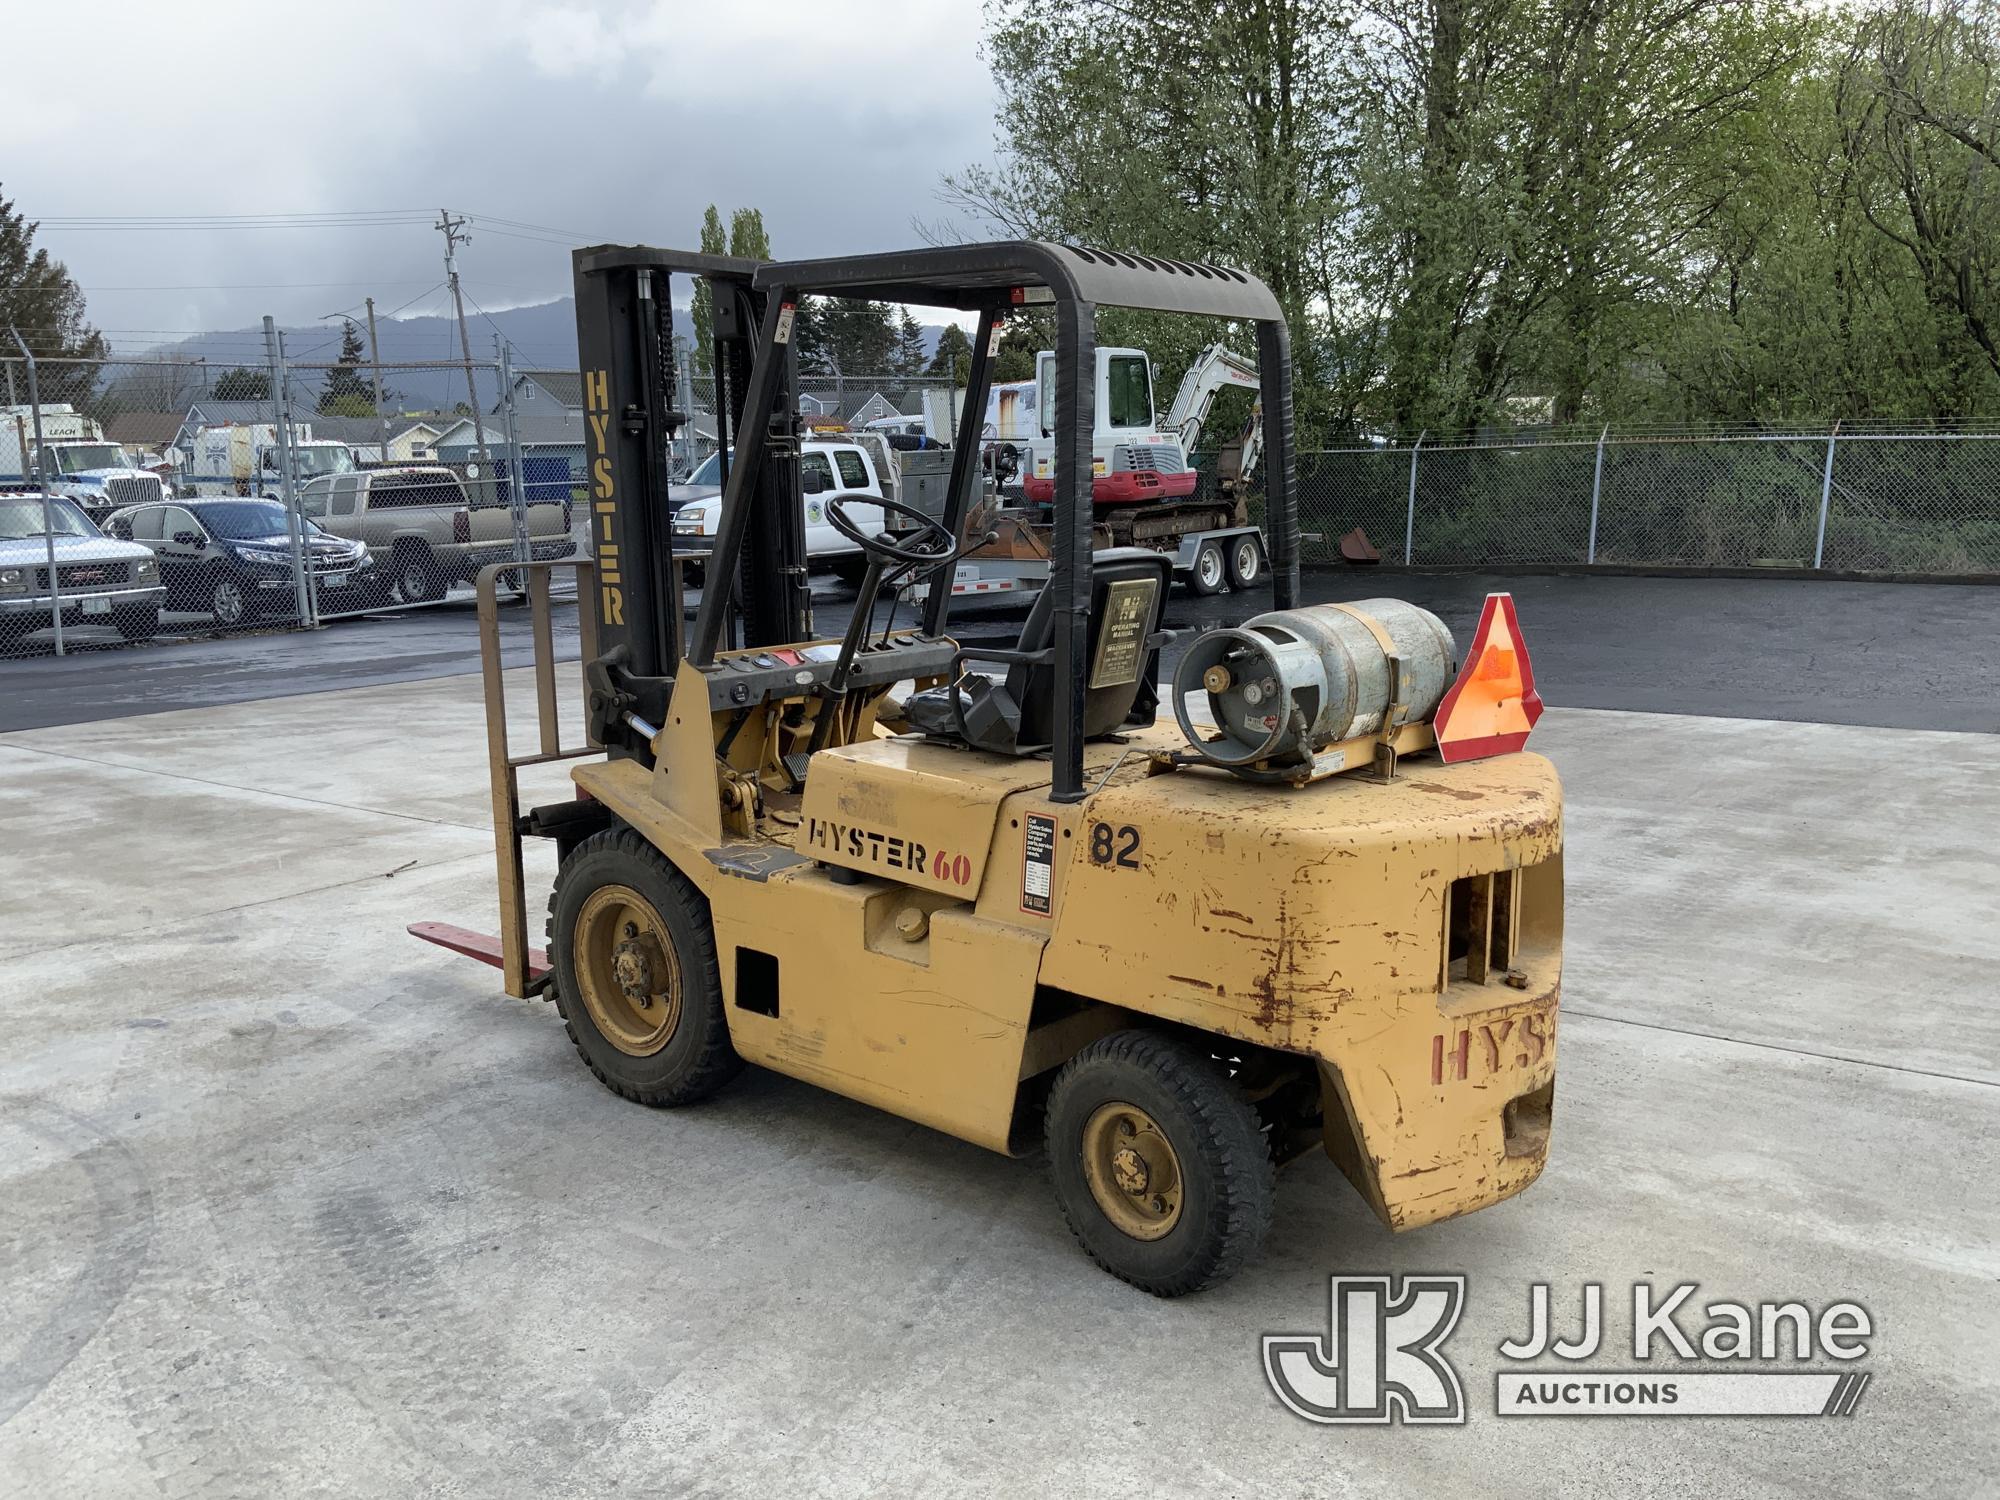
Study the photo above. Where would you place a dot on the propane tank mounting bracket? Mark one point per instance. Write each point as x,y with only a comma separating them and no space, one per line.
1385,737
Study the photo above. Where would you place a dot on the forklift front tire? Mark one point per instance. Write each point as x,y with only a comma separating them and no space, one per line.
1160,1163
636,979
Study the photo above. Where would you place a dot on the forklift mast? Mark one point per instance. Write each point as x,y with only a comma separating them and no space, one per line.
633,412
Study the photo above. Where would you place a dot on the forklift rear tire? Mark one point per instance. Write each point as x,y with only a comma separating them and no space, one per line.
635,973
1159,1162
1210,573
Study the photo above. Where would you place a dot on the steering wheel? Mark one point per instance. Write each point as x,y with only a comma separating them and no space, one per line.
932,544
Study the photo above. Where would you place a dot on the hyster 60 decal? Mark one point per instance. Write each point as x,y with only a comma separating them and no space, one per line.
889,850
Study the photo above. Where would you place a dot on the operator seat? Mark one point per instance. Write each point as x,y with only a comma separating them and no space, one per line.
1128,596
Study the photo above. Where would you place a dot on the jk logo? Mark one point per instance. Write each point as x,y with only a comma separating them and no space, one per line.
1379,1361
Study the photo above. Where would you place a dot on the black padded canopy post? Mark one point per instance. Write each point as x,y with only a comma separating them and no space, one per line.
1281,473
1069,570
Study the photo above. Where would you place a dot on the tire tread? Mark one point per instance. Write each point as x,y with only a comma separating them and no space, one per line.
717,1061
1232,1139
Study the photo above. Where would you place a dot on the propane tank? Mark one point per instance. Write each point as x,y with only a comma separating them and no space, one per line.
1284,685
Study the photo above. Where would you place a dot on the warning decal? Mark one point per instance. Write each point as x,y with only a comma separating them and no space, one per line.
1038,863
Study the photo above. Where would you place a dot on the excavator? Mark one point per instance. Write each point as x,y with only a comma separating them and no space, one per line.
1143,482
1313,907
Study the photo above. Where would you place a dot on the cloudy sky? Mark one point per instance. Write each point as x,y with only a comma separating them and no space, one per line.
607,120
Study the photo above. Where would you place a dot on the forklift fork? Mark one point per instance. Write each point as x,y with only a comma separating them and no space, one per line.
525,969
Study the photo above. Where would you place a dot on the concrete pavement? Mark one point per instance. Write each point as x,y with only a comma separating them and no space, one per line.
291,1203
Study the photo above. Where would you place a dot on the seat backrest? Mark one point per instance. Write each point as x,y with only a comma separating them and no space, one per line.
1128,597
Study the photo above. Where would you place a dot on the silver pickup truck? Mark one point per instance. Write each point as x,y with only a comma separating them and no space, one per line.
102,582
424,531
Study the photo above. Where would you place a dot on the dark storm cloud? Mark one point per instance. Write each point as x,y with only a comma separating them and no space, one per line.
611,121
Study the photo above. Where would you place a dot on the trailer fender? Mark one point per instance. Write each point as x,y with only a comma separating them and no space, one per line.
1190,545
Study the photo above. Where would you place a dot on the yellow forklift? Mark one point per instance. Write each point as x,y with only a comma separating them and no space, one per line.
991,890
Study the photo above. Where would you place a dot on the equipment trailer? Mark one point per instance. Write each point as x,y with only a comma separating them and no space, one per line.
1324,912
1142,485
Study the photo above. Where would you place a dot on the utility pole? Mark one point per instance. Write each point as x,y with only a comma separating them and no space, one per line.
281,413
48,505
375,361
517,466
451,228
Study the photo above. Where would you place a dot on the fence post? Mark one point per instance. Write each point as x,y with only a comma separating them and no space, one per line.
48,506
281,412
1825,496
517,490
1596,493
1410,518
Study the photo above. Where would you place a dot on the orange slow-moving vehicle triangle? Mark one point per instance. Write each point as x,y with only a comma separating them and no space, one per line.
1493,706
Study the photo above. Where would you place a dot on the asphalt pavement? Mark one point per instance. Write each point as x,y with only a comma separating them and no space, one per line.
1897,655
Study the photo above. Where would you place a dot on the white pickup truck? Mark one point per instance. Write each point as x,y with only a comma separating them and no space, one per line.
828,470
75,460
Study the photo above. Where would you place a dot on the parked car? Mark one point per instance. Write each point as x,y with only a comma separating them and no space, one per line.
703,483
101,580
233,558
827,471
426,534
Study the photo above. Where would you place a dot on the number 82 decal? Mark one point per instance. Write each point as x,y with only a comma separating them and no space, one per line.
1114,846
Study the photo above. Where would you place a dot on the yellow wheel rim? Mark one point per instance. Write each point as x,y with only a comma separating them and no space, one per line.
626,969
1132,1171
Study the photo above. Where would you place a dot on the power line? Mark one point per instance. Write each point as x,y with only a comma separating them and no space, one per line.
246,286
360,220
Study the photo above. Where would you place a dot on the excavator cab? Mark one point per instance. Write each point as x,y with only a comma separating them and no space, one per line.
997,891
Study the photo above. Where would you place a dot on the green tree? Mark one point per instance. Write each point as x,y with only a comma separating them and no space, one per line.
1919,105
349,405
1020,341
346,392
240,384
953,356
907,357
747,236
1483,211
1234,153
39,297
859,338
712,242
809,337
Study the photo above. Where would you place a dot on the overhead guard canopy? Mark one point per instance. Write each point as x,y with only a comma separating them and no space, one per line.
979,277
592,259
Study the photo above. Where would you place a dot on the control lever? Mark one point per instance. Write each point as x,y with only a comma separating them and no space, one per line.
607,706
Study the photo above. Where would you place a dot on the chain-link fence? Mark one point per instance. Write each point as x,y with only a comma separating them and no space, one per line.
1849,499
153,498
147,499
